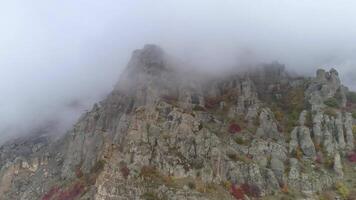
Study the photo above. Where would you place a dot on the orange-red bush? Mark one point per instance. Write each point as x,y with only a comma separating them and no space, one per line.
211,103
251,190
50,193
125,171
351,156
234,128
319,159
237,192
70,194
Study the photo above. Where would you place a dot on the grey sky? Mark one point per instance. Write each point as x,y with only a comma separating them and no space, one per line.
55,52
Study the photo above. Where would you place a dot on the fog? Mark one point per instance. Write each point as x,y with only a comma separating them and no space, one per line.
58,57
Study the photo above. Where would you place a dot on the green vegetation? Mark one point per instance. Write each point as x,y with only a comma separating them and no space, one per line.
332,102
154,177
342,190
191,185
327,195
239,140
278,115
150,195
198,108
354,114
297,153
330,112
288,107
329,162
98,166
339,96
351,97
235,157
149,172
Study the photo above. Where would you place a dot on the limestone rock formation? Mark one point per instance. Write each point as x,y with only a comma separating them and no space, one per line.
165,134
268,126
326,85
301,137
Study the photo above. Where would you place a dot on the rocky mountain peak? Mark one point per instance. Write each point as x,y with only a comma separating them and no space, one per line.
147,75
326,87
332,77
150,59
160,135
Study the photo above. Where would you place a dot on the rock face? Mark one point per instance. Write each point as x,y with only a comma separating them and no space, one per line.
268,126
163,134
301,138
332,128
326,85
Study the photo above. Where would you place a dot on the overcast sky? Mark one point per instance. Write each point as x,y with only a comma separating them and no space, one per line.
56,53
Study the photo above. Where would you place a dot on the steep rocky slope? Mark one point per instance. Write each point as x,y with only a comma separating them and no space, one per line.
166,134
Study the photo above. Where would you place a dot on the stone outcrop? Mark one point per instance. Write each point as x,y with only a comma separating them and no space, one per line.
348,122
326,85
163,134
268,127
338,165
333,132
301,138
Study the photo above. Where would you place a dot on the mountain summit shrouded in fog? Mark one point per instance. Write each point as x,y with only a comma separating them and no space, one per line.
230,99
168,133
57,52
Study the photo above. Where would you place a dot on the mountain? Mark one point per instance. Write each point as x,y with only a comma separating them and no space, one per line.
164,133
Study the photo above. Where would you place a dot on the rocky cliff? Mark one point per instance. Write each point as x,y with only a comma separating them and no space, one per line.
165,134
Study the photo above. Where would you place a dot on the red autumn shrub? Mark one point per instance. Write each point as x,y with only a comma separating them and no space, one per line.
72,193
251,190
234,128
237,192
211,103
125,171
319,159
50,193
352,157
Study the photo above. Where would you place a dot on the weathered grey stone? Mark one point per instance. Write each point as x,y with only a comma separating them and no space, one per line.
333,133
324,86
294,173
301,137
349,135
338,165
293,143
277,167
340,138
317,125
302,118
155,135
268,127
306,143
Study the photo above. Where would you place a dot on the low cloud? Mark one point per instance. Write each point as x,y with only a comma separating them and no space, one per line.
58,57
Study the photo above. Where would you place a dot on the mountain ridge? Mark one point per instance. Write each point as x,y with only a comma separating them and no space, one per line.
162,134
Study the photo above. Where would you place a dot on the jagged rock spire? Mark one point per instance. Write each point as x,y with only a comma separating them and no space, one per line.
150,59
324,86
158,124
144,64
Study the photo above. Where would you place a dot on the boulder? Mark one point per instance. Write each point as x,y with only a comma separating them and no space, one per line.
268,126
